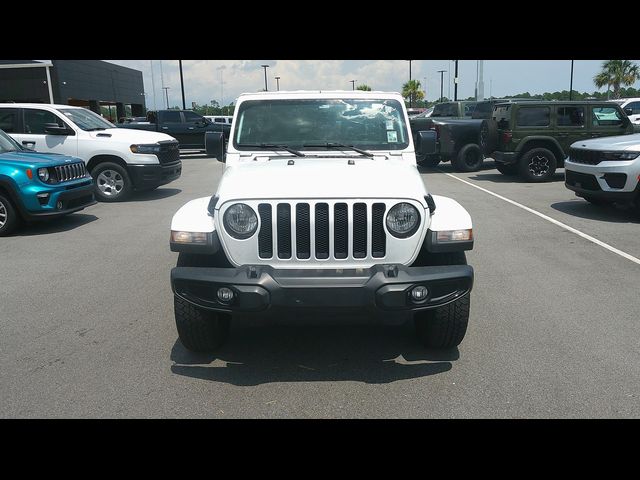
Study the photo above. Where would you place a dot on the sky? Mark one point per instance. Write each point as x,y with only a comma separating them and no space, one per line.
207,80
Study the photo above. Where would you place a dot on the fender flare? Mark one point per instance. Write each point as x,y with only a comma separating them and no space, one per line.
194,216
9,186
449,215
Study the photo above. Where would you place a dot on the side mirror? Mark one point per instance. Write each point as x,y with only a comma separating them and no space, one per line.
55,129
628,111
426,142
214,145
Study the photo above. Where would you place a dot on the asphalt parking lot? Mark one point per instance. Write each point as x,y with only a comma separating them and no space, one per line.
87,326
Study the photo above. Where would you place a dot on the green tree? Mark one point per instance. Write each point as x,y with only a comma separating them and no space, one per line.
616,73
364,87
412,91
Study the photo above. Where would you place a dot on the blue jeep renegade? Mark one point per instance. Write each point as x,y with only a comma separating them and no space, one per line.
37,186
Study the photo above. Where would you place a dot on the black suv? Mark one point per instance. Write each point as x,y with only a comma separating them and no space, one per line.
532,138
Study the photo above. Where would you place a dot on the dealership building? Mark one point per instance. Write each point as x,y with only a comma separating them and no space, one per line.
105,88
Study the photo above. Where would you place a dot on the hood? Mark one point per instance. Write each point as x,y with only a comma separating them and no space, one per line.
322,178
619,142
130,135
37,159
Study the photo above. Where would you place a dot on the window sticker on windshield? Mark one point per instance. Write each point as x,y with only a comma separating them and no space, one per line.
392,136
389,124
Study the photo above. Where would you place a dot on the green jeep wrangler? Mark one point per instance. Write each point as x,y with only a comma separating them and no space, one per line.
532,138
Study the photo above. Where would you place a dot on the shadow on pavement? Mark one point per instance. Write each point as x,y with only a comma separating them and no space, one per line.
606,213
154,194
256,355
54,225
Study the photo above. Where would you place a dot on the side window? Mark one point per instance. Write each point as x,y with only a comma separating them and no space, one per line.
469,108
635,107
606,116
533,117
171,117
571,116
9,120
35,120
191,117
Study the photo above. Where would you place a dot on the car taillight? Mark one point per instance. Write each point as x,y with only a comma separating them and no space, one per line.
506,137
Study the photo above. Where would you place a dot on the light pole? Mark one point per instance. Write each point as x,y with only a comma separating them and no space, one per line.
277,84
441,72
221,68
410,95
166,93
571,83
184,105
455,83
266,88
353,84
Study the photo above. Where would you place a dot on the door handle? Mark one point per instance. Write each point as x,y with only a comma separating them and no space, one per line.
190,128
165,128
28,142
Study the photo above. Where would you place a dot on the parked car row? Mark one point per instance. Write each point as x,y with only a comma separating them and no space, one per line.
113,161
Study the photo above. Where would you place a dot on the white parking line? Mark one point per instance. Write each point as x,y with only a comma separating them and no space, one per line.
549,219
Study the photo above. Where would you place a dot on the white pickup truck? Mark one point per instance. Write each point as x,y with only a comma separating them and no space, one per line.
119,160
321,207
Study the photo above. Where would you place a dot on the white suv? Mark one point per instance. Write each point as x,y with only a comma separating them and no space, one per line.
631,107
321,207
605,170
120,160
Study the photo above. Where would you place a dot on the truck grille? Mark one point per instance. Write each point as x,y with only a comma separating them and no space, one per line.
71,171
169,153
588,157
352,224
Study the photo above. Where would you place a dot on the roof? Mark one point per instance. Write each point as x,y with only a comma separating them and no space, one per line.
22,105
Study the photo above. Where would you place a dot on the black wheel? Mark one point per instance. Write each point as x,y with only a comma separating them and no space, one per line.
444,327
469,158
597,201
507,169
537,165
112,183
488,138
428,161
9,219
200,330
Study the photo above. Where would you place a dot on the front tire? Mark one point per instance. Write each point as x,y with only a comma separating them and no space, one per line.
444,327
200,330
9,219
538,165
469,158
112,182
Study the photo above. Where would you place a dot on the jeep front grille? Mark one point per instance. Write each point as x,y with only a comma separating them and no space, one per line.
71,171
352,223
588,157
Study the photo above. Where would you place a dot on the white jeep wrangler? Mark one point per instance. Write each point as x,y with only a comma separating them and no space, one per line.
321,206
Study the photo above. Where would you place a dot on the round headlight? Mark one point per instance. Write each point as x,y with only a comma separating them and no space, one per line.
43,174
403,220
240,221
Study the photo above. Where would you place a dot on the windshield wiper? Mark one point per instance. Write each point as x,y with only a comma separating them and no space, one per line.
340,145
273,146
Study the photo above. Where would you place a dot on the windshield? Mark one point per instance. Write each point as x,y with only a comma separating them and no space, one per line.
8,144
86,119
377,124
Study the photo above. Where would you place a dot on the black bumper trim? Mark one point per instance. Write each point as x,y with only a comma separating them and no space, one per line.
507,158
154,175
379,288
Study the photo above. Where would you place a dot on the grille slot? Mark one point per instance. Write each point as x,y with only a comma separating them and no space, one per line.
340,230
265,236
284,230
360,230
322,230
378,238
303,231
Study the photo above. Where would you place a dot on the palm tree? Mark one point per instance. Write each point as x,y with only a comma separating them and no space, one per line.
615,73
364,87
412,91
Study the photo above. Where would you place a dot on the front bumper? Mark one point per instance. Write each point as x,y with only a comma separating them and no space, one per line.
154,175
381,288
60,201
615,181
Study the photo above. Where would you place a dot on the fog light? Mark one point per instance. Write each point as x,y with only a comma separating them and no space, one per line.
225,294
59,205
419,293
